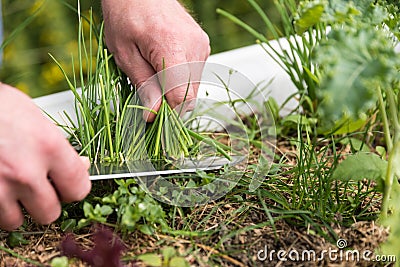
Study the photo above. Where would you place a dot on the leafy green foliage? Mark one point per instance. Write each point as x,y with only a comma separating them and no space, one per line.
16,239
392,245
309,15
355,62
151,259
361,166
356,58
94,214
168,258
393,20
359,73
59,262
68,225
130,207
305,31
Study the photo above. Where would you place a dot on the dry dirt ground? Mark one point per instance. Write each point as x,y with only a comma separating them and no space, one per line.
239,242
239,250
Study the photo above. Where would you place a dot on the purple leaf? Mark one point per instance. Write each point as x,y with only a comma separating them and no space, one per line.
106,252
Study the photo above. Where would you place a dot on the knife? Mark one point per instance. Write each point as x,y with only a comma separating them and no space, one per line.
141,168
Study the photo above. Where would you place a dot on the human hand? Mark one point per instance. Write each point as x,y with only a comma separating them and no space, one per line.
141,34
32,151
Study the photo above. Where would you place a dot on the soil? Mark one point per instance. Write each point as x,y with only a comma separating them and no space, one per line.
239,250
244,247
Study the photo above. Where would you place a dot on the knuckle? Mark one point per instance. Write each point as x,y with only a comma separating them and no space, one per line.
7,169
80,171
16,175
120,58
79,177
143,81
177,97
49,143
20,177
155,57
76,170
15,222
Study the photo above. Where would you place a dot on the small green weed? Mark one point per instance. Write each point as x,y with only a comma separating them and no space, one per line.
168,258
127,209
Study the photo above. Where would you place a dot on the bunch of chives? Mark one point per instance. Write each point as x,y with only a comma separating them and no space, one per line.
110,126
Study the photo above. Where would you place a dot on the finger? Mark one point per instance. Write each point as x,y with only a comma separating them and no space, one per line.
201,49
69,173
85,161
142,74
150,95
11,216
41,200
199,55
176,79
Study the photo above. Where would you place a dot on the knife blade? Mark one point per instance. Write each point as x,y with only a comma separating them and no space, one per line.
141,168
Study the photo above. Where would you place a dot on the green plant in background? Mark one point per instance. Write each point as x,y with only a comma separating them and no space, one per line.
168,258
48,26
360,71
294,45
27,66
355,67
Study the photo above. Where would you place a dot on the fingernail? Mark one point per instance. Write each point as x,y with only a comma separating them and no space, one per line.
86,161
85,191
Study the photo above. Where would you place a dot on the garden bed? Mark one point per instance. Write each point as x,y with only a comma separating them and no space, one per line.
324,191
230,231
